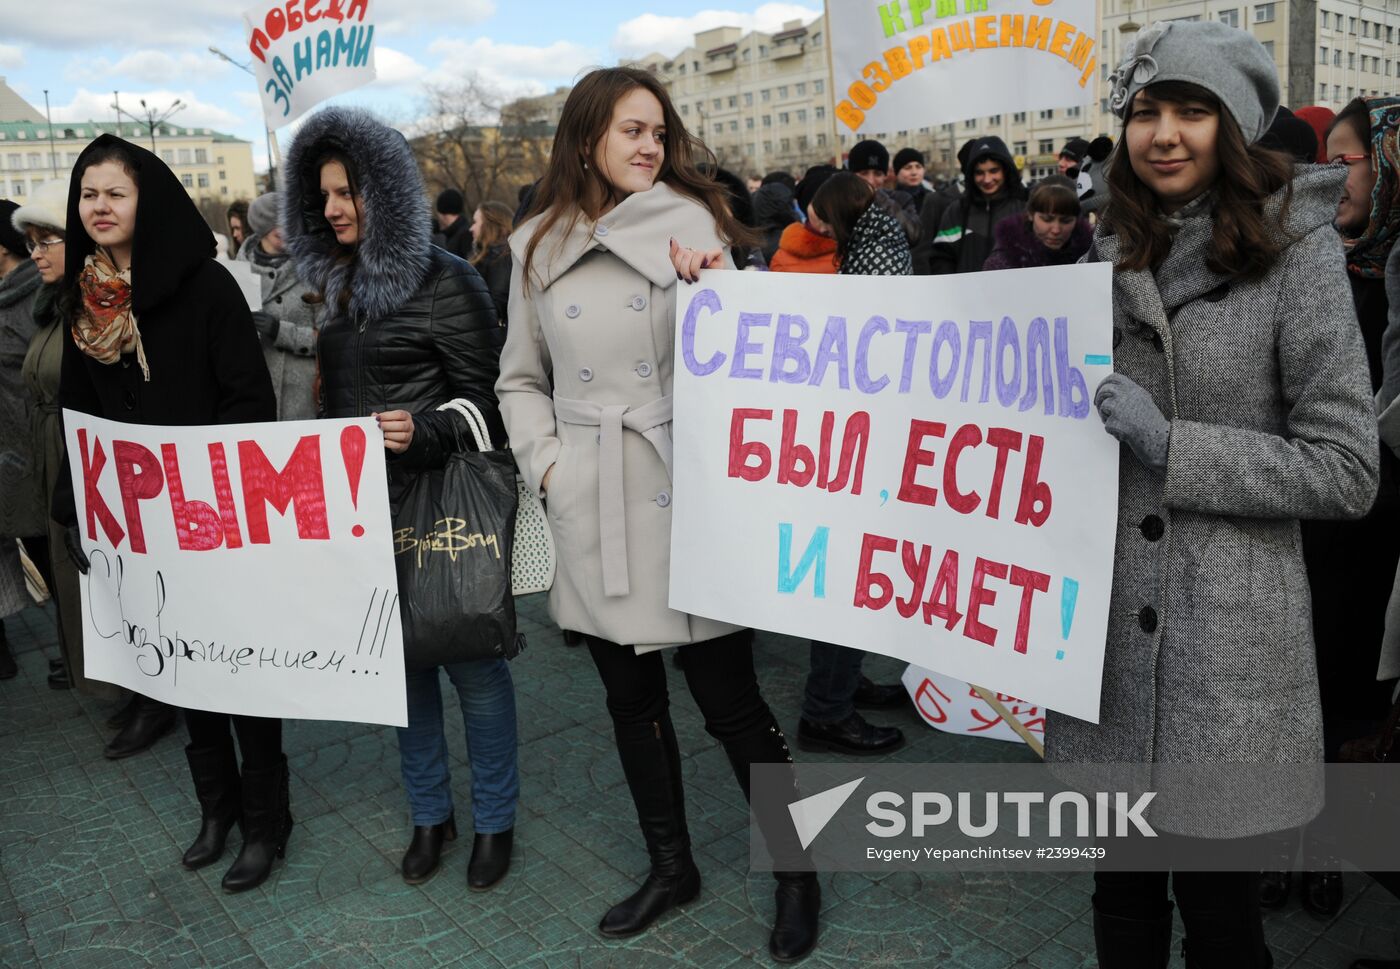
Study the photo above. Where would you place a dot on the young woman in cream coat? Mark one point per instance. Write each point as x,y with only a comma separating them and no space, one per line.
585,391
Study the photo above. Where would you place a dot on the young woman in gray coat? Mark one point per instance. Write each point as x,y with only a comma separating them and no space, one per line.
585,391
1242,399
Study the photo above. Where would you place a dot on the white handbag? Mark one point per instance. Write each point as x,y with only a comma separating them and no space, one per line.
533,555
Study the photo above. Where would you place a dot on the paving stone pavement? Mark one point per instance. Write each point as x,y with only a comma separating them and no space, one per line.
90,874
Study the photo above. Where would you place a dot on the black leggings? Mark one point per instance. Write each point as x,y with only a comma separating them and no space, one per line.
259,738
719,673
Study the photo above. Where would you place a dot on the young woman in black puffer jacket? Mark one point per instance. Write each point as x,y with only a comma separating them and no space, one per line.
409,327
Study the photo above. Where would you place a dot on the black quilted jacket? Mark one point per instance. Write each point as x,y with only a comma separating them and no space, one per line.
410,326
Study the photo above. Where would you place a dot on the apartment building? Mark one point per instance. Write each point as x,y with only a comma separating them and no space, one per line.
209,163
761,101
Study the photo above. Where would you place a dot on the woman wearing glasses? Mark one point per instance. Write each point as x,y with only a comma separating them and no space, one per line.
1350,569
41,220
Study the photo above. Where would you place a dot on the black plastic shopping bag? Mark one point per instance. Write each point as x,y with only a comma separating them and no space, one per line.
453,535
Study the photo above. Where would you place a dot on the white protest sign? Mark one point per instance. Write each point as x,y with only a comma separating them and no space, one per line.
241,568
900,64
305,51
956,707
907,465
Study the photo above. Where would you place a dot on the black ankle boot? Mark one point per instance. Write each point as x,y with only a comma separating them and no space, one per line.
651,761
1124,943
798,895
490,859
217,785
420,861
799,901
150,721
267,822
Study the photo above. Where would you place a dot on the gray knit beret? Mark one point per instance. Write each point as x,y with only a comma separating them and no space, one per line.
1226,61
262,213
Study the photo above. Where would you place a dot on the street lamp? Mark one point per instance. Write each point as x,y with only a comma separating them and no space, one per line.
152,118
271,144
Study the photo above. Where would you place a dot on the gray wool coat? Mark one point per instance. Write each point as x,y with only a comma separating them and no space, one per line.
22,508
1210,656
585,388
1388,404
291,356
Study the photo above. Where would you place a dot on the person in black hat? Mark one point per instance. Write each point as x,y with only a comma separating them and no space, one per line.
456,235
992,191
871,161
1071,156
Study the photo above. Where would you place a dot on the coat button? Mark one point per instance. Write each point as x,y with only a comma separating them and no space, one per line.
663,499
602,230
643,369
585,375
1153,528
572,311
1147,619
1117,337
639,302
277,299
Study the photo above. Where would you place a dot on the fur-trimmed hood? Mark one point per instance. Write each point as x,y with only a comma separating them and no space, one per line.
394,253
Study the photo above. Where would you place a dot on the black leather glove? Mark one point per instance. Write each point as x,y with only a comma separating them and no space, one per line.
73,539
266,324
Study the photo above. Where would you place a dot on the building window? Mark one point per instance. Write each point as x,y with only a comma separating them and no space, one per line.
818,87
223,176
783,117
1336,57
1324,20
187,180
970,123
223,190
1048,115
1017,148
1268,47
1230,18
1351,61
802,116
821,140
1073,112
203,180
1336,92
782,90
767,121
748,123
1322,55
1264,14
201,156
685,109
719,127
15,162
718,102
1351,26
36,161
733,101
1047,146
1322,92
801,89
768,147
820,112
785,144
733,126
763,95
19,188
1018,117
184,156
802,143
994,119
748,99
682,70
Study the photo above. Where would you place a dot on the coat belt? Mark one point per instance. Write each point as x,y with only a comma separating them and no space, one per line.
651,420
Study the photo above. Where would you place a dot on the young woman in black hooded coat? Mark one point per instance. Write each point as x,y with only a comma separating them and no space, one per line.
159,333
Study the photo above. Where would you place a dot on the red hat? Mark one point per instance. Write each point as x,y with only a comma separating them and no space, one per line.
1319,118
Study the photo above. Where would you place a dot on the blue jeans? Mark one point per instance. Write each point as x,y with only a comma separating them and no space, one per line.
832,682
487,696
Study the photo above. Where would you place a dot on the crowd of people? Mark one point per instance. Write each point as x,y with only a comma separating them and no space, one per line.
1254,348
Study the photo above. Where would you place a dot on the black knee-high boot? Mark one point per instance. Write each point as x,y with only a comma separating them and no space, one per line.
651,761
1129,943
798,895
267,822
220,793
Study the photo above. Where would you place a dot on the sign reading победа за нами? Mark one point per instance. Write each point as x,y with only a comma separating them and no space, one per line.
900,64
305,51
906,465
241,568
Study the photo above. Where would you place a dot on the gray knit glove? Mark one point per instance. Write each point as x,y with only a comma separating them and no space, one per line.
1130,415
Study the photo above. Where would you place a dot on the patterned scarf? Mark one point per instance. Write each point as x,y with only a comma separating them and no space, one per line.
1367,253
106,328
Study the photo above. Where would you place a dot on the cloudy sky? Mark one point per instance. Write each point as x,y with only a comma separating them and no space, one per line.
83,50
